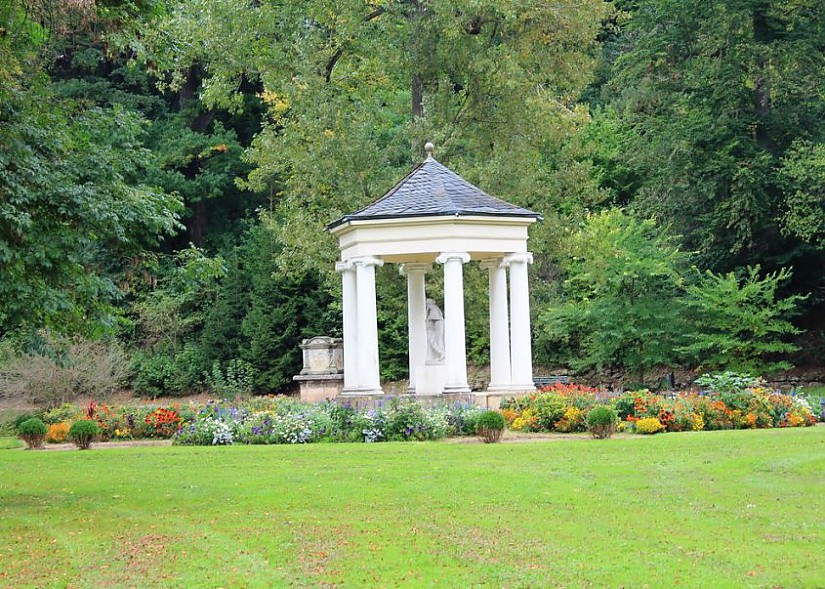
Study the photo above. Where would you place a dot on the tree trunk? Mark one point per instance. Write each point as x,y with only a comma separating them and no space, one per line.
762,36
417,91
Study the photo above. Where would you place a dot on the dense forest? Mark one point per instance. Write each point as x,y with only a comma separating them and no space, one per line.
167,168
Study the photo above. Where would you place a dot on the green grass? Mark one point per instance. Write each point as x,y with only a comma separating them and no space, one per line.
9,443
716,509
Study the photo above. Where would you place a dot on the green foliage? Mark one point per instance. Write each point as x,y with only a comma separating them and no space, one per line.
32,427
489,426
408,421
33,432
24,416
167,373
490,420
803,179
601,421
625,405
714,94
548,409
74,204
726,382
235,381
739,323
77,207
620,296
282,310
83,432
65,412
492,84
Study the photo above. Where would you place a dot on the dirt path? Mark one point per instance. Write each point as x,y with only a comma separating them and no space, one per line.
106,445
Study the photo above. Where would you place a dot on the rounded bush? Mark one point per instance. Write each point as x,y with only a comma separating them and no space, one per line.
601,421
649,425
489,426
21,418
549,409
58,433
33,432
83,432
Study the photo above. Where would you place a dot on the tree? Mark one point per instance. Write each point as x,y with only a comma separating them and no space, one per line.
803,177
73,204
283,310
354,89
620,296
738,323
715,93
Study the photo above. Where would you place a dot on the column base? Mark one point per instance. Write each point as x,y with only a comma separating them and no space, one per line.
521,388
499,388
361,391
454,389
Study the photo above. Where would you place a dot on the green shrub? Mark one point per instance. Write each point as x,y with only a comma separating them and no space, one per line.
625,405
66,412
739,321
18,420
237,380
489,426
549,409
33,432
601,421
83,432
727,382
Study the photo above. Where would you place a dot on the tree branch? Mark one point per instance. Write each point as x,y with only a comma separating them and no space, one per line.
340,51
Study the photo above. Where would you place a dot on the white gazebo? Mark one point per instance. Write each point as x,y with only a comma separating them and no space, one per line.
433,216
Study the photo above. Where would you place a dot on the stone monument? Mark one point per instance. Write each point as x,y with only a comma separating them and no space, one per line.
322,376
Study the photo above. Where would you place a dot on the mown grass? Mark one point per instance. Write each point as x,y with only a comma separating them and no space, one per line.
9,443
714,509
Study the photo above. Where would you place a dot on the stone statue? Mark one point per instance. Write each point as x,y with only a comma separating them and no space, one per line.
435,334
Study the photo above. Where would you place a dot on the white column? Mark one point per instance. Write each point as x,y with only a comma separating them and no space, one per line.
500,376
416,317
454,340
350,310
369,379
521,355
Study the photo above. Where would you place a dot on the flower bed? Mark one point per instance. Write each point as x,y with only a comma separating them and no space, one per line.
266,420
119,423
561,408
729,403
280,420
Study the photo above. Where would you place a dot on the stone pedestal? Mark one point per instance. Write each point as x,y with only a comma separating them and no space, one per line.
322,376
430,379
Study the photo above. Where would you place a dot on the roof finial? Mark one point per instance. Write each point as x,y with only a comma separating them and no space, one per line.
429,147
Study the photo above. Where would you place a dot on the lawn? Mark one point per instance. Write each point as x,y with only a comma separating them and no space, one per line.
720,509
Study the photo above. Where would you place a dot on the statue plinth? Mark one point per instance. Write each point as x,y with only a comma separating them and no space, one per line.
322,376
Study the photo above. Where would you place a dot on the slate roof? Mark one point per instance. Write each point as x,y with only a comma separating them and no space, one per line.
430,190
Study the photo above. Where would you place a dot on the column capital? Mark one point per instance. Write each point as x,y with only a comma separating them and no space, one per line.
491,263
517,258
463,257
366,261
414,268
344,266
